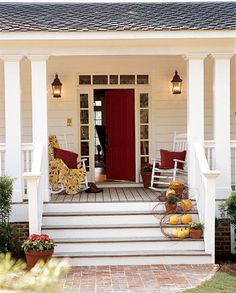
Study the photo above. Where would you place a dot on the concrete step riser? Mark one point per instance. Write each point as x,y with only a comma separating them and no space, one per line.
193,259
105,233
104,220
130,246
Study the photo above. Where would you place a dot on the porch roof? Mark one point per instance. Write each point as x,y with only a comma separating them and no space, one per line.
73,17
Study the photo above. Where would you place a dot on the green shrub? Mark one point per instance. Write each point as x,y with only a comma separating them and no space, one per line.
228,208
8,234
6,188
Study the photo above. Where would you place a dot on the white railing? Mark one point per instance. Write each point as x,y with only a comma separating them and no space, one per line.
27,151
210,155
35,191
205,185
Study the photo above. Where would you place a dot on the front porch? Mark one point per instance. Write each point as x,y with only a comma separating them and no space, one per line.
117,225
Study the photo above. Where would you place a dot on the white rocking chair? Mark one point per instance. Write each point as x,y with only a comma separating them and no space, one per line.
162,177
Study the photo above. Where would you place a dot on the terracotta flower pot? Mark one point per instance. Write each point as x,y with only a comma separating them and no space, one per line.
32,257
196,234
170,208
146,177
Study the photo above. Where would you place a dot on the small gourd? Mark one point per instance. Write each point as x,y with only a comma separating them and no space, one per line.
186,231
181,234
186,204
186,218
174,220
170,191
175,232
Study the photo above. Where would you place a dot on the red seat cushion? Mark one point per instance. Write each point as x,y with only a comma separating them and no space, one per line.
69,158
167,159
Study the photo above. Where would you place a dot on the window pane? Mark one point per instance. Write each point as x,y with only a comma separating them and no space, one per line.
144,116
143,100
144,131
142,79
84,79
144,148
100,79
113,79
84,132
84,117
127,79
84,101
144,161
98,103
84,148
98,115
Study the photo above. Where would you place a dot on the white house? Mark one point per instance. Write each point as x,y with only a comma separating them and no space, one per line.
124,47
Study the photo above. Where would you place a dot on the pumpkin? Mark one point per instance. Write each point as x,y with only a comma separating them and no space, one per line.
186,204
186,231
174,220
186,219
175,232
170,191
181,233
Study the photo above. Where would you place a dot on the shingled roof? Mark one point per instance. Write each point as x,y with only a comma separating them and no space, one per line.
58,17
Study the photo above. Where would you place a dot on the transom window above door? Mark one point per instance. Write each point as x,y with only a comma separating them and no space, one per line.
114,79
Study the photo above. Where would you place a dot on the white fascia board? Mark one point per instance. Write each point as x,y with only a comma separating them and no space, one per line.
117,35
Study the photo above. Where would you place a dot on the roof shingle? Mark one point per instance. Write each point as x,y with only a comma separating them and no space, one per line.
53,17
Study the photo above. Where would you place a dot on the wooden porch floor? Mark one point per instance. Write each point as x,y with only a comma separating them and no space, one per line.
130,194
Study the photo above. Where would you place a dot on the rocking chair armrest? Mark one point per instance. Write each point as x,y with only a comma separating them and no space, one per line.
81,162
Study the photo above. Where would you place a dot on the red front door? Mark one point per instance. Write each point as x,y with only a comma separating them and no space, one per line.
120,137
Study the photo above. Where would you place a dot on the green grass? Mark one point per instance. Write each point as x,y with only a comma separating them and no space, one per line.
219,283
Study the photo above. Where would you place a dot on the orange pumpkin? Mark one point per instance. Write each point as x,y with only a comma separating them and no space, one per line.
174,220
186,204
186,219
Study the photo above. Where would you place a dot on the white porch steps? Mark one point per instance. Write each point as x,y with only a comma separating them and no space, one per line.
116,233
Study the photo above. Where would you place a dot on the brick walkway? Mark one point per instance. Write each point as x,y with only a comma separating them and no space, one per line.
131,279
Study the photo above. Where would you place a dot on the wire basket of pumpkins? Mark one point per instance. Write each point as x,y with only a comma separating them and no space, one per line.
178,188
181,221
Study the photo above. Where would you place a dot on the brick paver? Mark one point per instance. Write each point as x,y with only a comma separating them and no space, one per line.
135,279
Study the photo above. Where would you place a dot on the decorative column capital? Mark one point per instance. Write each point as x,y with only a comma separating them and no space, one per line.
38,57
219,56
11,58
195,56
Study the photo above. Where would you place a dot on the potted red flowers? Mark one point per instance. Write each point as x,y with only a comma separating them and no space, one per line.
38,247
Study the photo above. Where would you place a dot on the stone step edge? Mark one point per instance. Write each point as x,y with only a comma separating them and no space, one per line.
139,253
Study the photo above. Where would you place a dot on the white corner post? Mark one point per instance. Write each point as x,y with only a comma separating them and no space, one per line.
195,110
221,123
209,216
40,114
13,158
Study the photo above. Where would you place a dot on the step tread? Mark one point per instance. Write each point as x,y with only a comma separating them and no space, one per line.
132,253
109,226
121,239
104,213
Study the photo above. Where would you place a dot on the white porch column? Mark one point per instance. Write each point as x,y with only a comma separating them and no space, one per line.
13,161
195,109
221,124
40,113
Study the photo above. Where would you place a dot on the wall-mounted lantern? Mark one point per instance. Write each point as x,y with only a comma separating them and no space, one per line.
56,87
176,84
